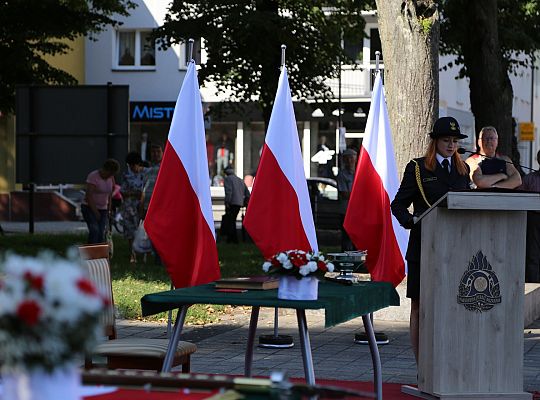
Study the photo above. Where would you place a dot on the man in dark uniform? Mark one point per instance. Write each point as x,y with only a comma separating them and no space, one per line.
236,196
425,181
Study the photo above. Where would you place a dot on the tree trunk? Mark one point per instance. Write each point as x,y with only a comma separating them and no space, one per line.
491,90
409,31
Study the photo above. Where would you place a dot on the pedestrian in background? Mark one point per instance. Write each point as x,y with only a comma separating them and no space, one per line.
236,196
150,177
131,189
345,180
96,204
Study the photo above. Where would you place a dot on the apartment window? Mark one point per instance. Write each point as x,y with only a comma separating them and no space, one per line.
353,49
135,50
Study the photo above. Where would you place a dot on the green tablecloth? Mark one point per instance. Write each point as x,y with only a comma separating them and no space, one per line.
340,302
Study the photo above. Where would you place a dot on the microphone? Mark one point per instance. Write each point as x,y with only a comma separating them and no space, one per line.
462,150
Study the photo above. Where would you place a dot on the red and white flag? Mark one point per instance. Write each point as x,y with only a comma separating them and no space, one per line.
369,221
279,215
179,220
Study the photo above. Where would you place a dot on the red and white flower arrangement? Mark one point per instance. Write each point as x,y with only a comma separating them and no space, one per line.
49,312
298,263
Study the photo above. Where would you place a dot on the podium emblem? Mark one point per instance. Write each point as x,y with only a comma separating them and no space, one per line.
479,288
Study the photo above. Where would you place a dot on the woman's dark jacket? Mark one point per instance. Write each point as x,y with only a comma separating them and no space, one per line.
436,184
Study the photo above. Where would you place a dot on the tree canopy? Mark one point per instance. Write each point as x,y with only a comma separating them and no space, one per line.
243,42
491,39
32,29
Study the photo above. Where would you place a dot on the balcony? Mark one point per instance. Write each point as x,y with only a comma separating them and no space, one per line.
355,83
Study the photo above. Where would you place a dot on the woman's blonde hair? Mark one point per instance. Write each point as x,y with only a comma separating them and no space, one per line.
431,159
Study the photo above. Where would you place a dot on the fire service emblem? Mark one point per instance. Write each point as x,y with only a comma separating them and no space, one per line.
479,287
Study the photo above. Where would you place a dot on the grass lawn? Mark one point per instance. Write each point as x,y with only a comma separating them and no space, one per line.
132,281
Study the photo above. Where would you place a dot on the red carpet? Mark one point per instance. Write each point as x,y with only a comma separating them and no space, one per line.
391,391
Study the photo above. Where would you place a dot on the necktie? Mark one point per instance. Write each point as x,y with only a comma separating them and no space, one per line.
446,165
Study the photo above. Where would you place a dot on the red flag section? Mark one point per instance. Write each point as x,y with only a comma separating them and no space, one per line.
369,224
178,229
369,221
179,220
272,217
279,215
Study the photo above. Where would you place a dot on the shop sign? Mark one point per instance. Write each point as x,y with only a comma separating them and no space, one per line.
156,111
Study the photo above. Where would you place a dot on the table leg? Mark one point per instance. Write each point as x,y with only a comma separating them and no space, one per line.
175,338
306,347
248,361
375,358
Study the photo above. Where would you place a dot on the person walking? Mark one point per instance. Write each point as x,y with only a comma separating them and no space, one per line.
425,180
236,196
131,189
96,204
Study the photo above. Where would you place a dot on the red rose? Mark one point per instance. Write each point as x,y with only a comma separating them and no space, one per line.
86,287
29,311
34,281
322,266
298,260
274,261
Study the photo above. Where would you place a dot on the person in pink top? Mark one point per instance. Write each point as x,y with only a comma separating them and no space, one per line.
96,204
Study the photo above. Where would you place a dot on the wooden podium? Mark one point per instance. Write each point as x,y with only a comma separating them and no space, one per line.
472,294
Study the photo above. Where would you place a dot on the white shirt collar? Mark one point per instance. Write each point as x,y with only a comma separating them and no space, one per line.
441,158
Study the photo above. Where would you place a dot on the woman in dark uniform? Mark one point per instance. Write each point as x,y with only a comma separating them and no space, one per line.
425,180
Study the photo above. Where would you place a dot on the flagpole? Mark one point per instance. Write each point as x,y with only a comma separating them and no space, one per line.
276,340
380,337
190,50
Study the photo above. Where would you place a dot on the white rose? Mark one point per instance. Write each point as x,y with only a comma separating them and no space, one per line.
266,266
312,266
282,258
287,264
304,270
330,267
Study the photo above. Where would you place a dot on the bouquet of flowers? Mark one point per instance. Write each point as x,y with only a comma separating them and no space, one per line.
49,312
298,263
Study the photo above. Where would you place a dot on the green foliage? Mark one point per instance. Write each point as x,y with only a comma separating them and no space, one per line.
244,38
518,26
30,29
426,24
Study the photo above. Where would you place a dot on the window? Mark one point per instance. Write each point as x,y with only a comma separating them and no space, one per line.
353,49
135,49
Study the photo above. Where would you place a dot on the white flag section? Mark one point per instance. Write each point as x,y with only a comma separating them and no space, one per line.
179,221
369,221
279,215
